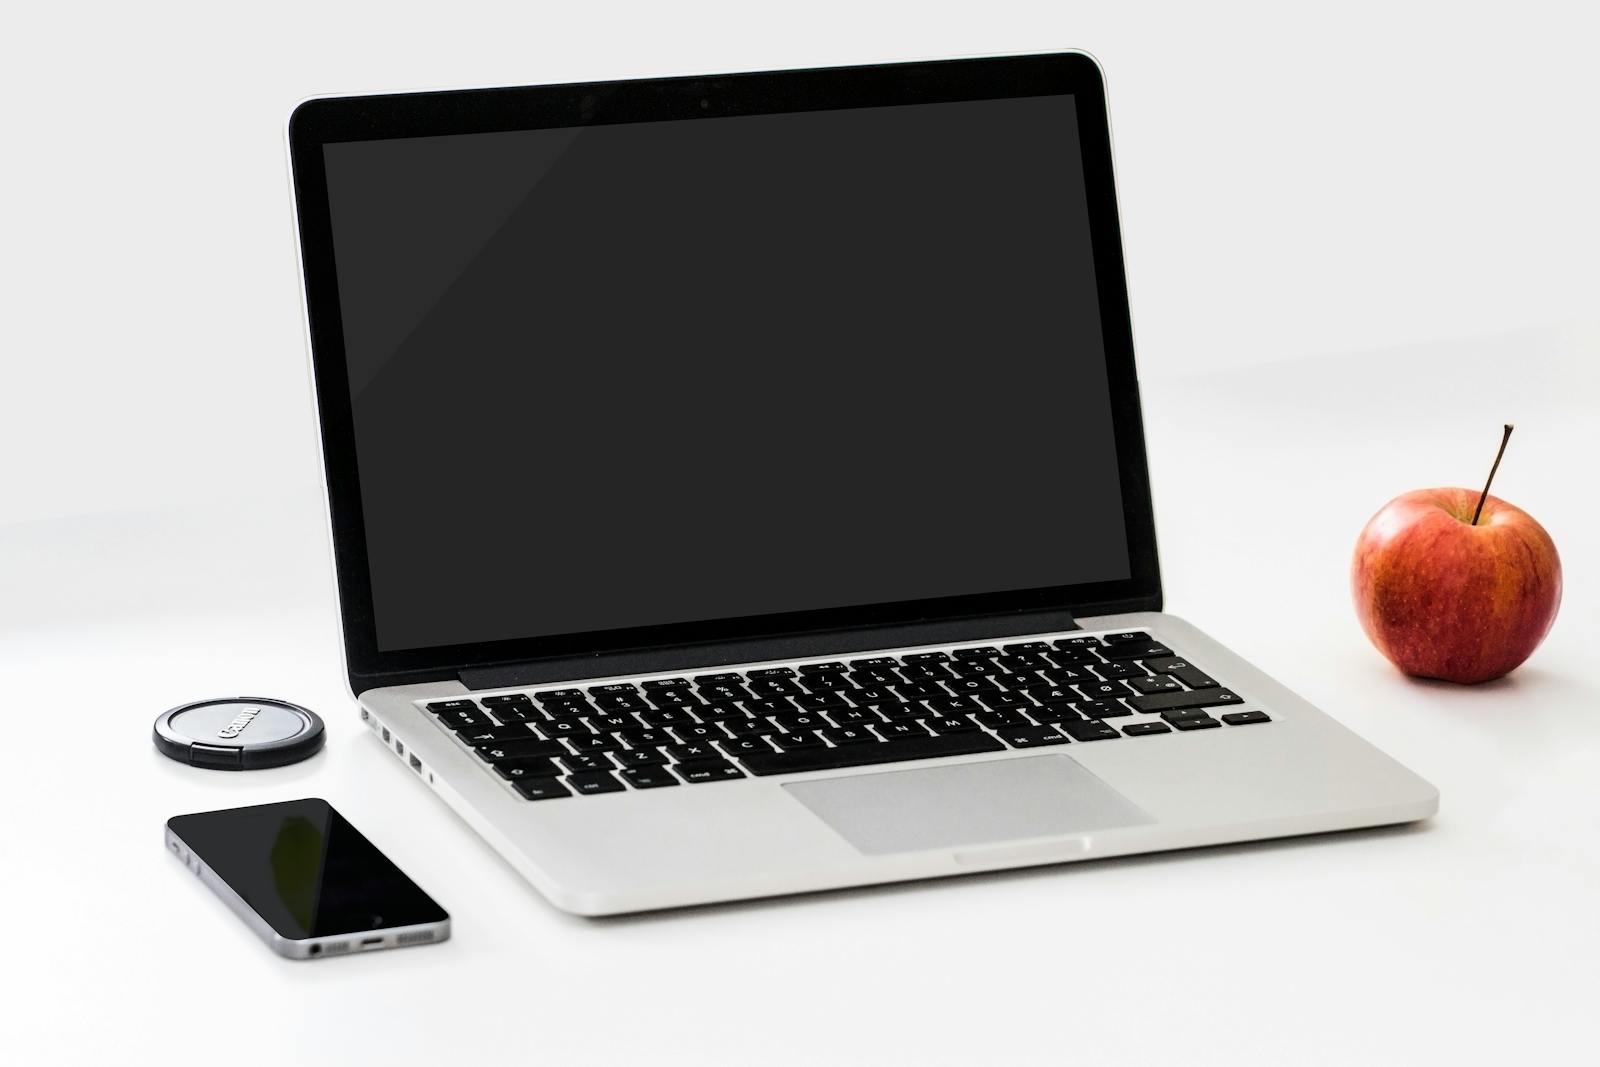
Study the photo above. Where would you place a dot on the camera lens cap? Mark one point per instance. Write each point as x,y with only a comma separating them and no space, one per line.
239,733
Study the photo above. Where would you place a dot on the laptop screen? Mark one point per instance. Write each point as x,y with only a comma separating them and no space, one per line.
649,373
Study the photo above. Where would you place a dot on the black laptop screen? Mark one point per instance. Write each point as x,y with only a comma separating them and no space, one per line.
649,373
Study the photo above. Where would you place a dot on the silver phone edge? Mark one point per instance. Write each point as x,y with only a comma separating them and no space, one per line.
309,948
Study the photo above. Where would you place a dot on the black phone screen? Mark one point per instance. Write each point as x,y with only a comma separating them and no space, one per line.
305,870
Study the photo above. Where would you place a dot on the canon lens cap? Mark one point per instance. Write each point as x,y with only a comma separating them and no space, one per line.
239,733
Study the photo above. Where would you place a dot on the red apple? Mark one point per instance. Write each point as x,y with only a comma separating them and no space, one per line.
1444,596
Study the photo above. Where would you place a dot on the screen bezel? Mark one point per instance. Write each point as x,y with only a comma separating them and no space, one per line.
322,121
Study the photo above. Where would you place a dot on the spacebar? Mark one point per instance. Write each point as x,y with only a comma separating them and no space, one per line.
827,759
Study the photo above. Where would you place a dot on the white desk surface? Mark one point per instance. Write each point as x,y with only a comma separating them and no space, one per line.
1473,938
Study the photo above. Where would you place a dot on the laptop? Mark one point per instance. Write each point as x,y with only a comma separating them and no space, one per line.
738,487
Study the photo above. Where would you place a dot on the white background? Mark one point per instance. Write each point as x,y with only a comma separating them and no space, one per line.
1359,236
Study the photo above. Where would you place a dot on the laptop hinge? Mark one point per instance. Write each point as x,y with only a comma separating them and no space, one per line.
829,643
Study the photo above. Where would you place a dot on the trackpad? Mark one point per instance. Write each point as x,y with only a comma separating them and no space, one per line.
966,804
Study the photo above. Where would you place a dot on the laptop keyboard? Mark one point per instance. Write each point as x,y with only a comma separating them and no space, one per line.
724,725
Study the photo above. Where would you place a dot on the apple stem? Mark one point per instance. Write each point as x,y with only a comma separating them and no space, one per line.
1485,494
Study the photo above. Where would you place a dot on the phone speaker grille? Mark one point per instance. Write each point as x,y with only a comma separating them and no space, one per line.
335,948
416,937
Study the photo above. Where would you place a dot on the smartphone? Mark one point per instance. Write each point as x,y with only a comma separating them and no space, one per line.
306,880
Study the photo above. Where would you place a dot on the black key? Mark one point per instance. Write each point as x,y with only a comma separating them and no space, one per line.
1078,642
749,727
974,668
848,735
489,734
1126,637
589,782
872,679
1245,718
517,769
649,777
894,731
506,714
871,695
1031,736
831,667
565,728
803,739
658,718
645,738
1004,701
703,680
954,706
775,687
461,721
1072,657
1045,693
613,689
1140,651
1023,664
799,722
592,743
926,657
920,690
674,698
689,733
594,761
638,757
439,706
504,751
819,701
1101,709
1054,713
719,712
874,663
1104,690
570,711
1090,731
773,672
621,702
1185,713
1183,671
823,759
541,788
1025,648
610,723
926,672
1068,675
968,686
712,770
1203,698
724,692
854,717
763,708
502,700
899,712
561,696
1113,671
996,720
739,746
981,652
1154,684
951,724
689,753
666,683
824,683
1140,729
1204,722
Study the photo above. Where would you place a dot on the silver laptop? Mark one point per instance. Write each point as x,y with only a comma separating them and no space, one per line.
738,487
